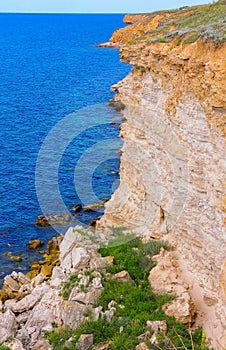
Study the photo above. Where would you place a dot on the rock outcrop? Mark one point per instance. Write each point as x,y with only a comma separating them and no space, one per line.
31,307
172,173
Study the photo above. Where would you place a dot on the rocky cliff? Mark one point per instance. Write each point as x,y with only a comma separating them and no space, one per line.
173,158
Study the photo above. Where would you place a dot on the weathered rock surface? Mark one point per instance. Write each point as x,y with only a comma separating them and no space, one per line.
31,307
172,170
85,341
95,206
122,276
54,219
166,277
36,243
8,326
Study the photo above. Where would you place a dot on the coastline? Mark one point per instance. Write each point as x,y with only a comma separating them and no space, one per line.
155,127
174,125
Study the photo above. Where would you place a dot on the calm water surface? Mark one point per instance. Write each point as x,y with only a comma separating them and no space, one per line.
49,68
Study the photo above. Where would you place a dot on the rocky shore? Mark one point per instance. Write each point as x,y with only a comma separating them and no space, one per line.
32,307
172,174
171,188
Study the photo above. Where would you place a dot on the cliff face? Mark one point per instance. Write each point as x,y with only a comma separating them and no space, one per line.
173,162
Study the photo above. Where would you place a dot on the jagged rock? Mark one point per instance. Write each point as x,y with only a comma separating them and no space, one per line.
53,219
73,250
85,341
79,258
39,279
165,278
14,344
58,277
36,243
29,301
47,311
53,245
88,298
122,276
96,206
182,309
108,314
43,345
11,288
23,336
8,326
46,270
93,222
23,317
100,263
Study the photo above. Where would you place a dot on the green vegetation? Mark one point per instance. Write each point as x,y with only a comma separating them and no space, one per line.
135,304
191,39
69,285
187,24
207,21
3,347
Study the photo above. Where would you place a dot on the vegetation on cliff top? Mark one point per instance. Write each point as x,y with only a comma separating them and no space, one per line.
184,25
134,303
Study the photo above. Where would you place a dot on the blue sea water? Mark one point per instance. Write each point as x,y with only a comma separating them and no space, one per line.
49,69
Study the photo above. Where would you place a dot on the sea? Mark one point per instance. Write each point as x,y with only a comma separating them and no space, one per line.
59,140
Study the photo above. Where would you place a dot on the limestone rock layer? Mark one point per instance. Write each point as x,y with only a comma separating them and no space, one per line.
172,174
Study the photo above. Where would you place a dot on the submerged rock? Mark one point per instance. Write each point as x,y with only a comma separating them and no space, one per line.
76,207
96,206
12,257
54,219
36,243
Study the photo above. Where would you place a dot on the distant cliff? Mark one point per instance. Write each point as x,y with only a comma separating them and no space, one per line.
173,158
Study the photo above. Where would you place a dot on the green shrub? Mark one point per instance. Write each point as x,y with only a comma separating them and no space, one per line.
135,303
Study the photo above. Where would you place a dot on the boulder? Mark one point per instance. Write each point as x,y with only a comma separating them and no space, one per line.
93,222
76,207
29,301
96,206
36,243
85,342
80,258
43,345
12,286
122,276
14,344
8,326
166,278
46,270
54,219
12,257
47,311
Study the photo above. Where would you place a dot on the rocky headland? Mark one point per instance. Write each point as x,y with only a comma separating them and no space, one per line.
173,158
172,179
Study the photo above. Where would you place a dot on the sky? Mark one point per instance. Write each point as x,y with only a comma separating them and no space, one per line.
92,6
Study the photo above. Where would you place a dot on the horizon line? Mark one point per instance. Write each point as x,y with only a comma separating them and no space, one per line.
70,13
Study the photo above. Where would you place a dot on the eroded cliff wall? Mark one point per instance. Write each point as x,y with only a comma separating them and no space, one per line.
172,174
